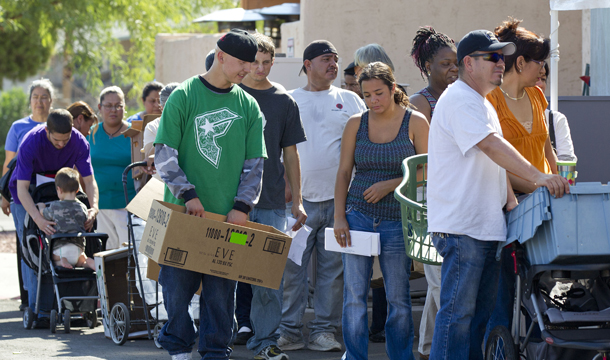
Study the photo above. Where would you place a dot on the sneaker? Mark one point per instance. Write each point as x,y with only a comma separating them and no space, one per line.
243,337
287,344
183,356
324,342
378,337
271,352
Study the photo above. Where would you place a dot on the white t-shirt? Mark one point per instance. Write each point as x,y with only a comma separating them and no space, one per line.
563,138
466,189
150,133
324,115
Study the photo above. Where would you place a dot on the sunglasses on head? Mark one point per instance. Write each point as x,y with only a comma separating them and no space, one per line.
493,57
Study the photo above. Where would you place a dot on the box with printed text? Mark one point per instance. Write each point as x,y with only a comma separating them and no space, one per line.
254,254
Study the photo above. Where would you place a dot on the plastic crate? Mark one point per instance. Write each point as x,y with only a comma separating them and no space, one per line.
568,230
412,197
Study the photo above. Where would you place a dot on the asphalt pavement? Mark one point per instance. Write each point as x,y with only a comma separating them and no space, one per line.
88,344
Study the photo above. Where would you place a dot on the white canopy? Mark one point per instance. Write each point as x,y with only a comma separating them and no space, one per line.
560,5
283,9
234,15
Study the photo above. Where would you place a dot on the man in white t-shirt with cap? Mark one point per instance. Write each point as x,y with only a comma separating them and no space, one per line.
467,191
324,110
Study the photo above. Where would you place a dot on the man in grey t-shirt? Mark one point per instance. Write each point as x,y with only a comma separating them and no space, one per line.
283,130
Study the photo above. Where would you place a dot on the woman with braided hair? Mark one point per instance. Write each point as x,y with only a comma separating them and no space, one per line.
435,55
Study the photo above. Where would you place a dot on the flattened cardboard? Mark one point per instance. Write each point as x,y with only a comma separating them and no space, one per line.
254,254
140,204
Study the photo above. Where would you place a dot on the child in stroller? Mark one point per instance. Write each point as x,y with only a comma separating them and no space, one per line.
69,216
61,292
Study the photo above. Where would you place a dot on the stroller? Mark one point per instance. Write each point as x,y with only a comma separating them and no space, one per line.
562,290
73,291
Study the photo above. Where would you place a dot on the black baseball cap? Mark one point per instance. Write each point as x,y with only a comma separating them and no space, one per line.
482,40
350,69
317,48
209,59
239,44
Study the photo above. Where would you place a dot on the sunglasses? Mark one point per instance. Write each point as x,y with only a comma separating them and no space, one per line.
493,57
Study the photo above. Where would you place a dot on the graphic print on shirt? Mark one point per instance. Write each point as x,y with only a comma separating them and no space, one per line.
208,128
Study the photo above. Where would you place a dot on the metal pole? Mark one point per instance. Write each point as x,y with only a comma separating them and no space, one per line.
554,59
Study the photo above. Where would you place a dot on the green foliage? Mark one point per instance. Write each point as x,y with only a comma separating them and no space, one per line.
18,61
13,106
85,32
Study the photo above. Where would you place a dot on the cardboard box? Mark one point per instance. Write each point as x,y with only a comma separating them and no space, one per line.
136,133
141,203
254,254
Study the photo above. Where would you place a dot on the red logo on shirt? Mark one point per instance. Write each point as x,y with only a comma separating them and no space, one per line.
339,106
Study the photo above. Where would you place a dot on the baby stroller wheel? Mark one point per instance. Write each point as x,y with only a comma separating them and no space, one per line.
156,332
67,321
28,318
53,321
500,345
92,320
119,323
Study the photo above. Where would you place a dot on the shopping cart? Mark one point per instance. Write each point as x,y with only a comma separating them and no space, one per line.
135,310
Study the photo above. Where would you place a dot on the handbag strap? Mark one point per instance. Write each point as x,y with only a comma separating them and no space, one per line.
552,130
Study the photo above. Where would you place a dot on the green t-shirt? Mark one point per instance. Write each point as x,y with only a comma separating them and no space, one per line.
214,134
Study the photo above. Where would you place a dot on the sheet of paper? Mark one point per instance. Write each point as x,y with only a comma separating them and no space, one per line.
299,241
363,243
43,180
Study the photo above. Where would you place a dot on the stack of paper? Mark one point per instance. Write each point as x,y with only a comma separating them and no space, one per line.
363,243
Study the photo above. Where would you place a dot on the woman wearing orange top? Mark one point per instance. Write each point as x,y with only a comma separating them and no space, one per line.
520,106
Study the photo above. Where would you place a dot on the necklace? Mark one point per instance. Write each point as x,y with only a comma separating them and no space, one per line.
513,98
433,93
110,136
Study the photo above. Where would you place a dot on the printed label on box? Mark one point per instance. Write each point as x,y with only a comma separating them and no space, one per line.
176,256
274,245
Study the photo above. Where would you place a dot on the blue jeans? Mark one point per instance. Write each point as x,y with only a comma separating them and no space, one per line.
505,301
469,282
29,276
243,305
329,280
396,268
266,311
216,313
380,310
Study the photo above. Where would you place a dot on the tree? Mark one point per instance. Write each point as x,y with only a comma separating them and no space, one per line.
13,106
83,33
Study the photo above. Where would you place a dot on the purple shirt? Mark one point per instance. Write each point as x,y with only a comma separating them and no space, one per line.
38,155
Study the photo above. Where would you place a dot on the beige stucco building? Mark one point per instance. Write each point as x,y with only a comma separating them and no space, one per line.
350,24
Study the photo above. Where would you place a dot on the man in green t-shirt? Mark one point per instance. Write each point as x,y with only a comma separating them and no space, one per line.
209,151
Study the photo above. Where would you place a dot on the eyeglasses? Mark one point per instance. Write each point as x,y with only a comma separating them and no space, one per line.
493,57
116,107
539,62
